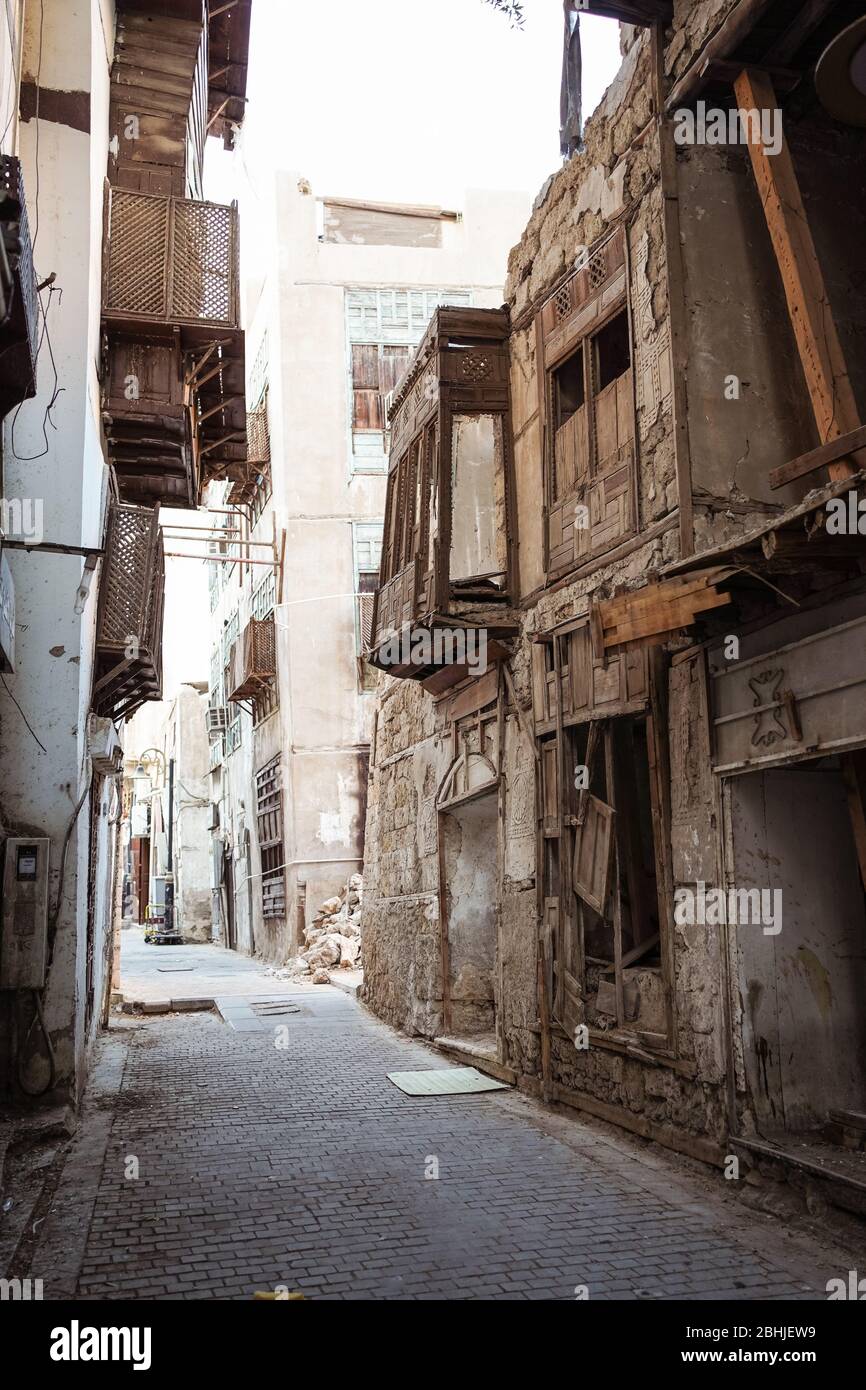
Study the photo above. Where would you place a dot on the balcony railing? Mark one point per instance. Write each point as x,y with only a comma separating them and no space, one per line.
170,261
129,621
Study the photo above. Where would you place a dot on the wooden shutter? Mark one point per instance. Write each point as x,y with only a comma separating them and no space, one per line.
539,683
593,843
580,668
367,411
614,422
544,696
550,787
392,366
568,1007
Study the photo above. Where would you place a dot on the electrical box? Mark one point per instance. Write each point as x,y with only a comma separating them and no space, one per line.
24,923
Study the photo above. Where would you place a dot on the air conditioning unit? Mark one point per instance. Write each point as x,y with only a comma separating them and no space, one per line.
217,721
252,659
106,754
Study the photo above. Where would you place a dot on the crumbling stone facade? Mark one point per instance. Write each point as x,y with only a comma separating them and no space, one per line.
652,1028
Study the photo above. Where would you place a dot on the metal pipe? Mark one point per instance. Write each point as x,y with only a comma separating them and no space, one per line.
218,559
169,873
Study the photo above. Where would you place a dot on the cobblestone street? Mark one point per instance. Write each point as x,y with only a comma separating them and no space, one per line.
303,1166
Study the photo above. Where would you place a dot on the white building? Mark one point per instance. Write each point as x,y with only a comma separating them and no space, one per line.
107,420
334,317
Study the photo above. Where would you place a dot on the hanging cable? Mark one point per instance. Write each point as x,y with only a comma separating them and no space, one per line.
54,915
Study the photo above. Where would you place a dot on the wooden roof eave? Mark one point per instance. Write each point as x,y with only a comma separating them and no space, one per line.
728,551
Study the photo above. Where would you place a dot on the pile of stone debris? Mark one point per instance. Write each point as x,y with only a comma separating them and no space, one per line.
333,938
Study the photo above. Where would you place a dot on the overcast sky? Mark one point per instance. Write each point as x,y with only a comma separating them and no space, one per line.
411,100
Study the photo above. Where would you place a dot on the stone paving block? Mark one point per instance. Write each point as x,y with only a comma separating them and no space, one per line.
305,1166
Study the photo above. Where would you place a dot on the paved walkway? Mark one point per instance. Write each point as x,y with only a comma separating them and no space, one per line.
213,1162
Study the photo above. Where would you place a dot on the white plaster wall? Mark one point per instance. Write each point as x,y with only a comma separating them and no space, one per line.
61,464
324,723
11,38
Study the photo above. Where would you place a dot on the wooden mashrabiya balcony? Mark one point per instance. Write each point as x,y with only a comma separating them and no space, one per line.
129,621
175,408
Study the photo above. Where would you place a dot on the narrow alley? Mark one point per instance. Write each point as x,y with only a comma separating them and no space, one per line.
222,1156
433,673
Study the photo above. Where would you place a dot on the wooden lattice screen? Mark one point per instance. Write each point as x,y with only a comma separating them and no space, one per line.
129,621
129,571
258,436
172,260
269,825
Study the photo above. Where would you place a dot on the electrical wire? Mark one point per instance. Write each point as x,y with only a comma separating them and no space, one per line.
52,1060
23,715
45,335
53,918
57,390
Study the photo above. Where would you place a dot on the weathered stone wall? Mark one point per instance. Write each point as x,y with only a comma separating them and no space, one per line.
400,922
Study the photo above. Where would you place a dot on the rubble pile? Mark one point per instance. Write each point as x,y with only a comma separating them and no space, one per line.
333,938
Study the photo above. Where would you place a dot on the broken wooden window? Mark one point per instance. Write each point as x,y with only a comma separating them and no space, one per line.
475,765
606,961
367,538
446,511
601,834
478,540
587,392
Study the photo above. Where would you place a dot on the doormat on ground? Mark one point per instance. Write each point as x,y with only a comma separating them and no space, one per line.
173,969
450,1081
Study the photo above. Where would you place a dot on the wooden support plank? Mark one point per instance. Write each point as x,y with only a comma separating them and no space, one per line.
819,458
818,342
610,779
675,271
658,609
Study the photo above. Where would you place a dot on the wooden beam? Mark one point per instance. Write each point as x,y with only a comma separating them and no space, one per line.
722,70
641,12
673,253
818,458
726,40
222,404
818,342
812,13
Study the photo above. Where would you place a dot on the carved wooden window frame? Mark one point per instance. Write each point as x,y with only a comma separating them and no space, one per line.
461,370
571,321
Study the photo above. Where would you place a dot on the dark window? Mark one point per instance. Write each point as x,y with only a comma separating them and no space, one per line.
569,387
613,350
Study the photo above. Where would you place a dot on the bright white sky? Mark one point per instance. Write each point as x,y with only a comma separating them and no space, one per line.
402,100
408,100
